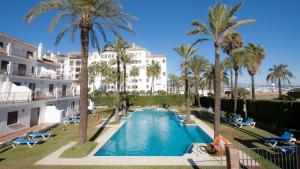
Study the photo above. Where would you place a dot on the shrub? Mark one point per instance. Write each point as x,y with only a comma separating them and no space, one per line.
280,113
143,101
286,98
161,92
295,93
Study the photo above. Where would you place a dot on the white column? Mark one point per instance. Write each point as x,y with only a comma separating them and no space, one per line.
39,52
8,49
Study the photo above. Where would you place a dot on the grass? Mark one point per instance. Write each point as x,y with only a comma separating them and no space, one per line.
79,151
24,157
245,137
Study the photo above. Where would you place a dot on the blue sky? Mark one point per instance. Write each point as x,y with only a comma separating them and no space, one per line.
162,24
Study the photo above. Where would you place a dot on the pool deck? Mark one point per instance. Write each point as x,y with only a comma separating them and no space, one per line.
199,158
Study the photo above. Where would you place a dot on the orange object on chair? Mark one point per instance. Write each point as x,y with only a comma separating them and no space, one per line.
219,144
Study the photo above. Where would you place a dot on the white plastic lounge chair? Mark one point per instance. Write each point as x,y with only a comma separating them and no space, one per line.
19,140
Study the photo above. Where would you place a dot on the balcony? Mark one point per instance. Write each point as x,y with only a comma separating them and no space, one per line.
19,97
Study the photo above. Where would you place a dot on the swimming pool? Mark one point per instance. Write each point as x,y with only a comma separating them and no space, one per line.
150,132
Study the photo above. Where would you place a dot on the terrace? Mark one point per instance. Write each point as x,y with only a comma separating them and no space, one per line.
20,97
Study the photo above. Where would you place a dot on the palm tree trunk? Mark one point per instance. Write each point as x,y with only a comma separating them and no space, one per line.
236,74
253,86
187,100
279,88
217,90
117,108
124,84
231,81
84,38
197,93
152,89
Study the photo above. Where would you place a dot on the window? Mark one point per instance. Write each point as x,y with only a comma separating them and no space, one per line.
1,45
17,83
71,63
4,64
12,117
163,61
164,73
32,70
29,54
73,105
51,88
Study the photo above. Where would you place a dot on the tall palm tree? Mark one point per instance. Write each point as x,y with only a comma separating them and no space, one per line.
221,21
111,77
134,72
208,78
254,56
186,51
279,74
172,79
198,65
87,16
238,60
126,59
153,71
230,42
120,46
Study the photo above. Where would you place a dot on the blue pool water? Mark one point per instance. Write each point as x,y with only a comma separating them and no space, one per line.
152,133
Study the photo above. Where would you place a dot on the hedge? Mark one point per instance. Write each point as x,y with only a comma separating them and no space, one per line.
143,100
280,113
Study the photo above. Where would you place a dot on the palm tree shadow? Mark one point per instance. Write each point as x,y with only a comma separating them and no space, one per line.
100,130
193,164
1,159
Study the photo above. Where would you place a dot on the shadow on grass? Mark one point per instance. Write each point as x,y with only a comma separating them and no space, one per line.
100,130
193,164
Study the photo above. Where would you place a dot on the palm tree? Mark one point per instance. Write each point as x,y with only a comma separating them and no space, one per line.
231,42
221,21
186,51
134,72
172,79
153,70
279,74
238,60
208,77
111,77
198,65
120,46
126,59
254,56
87,16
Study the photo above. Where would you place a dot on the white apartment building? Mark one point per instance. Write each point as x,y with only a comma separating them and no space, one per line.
142,58
33,87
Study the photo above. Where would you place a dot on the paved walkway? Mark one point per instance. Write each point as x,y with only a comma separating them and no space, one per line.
199,158
24,132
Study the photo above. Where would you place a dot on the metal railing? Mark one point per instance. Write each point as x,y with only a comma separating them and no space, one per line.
284,157
13,97
41,76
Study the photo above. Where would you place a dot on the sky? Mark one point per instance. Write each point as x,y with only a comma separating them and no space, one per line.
163,24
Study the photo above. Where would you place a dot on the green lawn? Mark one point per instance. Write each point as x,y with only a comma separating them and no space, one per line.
245,137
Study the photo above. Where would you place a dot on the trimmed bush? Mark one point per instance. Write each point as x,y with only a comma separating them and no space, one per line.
280,113
143,101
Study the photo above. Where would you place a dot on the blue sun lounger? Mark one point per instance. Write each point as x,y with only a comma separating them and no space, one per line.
19,140
248,122
75,116
285,138
69,121
45,135
286,149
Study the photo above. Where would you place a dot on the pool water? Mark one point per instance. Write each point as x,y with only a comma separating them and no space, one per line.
150,132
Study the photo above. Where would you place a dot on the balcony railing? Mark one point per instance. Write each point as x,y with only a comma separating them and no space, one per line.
16,97
41,75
